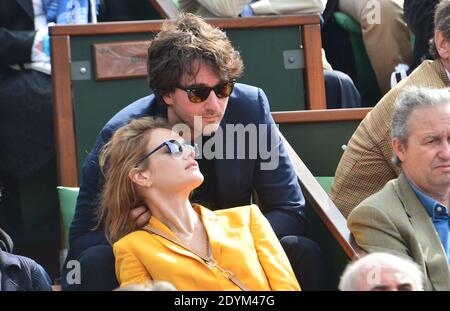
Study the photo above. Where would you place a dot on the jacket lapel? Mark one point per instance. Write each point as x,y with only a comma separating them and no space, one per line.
425,232
157,224
442,73
213,229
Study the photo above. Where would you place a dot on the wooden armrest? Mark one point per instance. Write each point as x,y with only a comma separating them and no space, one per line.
322,205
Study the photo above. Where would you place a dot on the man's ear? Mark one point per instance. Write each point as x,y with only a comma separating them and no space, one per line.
442,45
399,149
169,98
141,178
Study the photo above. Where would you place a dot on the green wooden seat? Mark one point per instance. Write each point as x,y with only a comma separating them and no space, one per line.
319,144
327,227
316,140
67,202
325,182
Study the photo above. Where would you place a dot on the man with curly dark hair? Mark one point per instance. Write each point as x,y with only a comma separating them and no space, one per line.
192,68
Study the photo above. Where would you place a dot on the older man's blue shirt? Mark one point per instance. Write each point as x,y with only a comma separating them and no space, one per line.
439,216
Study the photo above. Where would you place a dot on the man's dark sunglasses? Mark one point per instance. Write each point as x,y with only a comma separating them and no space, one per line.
201,93
175,147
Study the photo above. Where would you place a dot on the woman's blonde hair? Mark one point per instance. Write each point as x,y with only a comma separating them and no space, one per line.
117,158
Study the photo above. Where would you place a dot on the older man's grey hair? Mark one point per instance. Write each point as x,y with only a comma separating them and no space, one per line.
364,270
409,100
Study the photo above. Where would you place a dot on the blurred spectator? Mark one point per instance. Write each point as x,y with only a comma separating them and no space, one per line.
125,10
26,118
235,8
383,27
381,272
419,16
26,125
116,10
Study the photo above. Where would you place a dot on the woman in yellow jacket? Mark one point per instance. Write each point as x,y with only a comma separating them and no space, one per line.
186,245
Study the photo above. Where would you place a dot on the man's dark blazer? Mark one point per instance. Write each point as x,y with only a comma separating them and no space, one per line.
19,273
329,9
281,199
16,31
25,96
26,118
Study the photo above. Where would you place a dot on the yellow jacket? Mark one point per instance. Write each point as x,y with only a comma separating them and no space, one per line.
241,239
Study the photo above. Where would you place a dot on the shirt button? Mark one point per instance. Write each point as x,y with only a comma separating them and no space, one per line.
439,209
